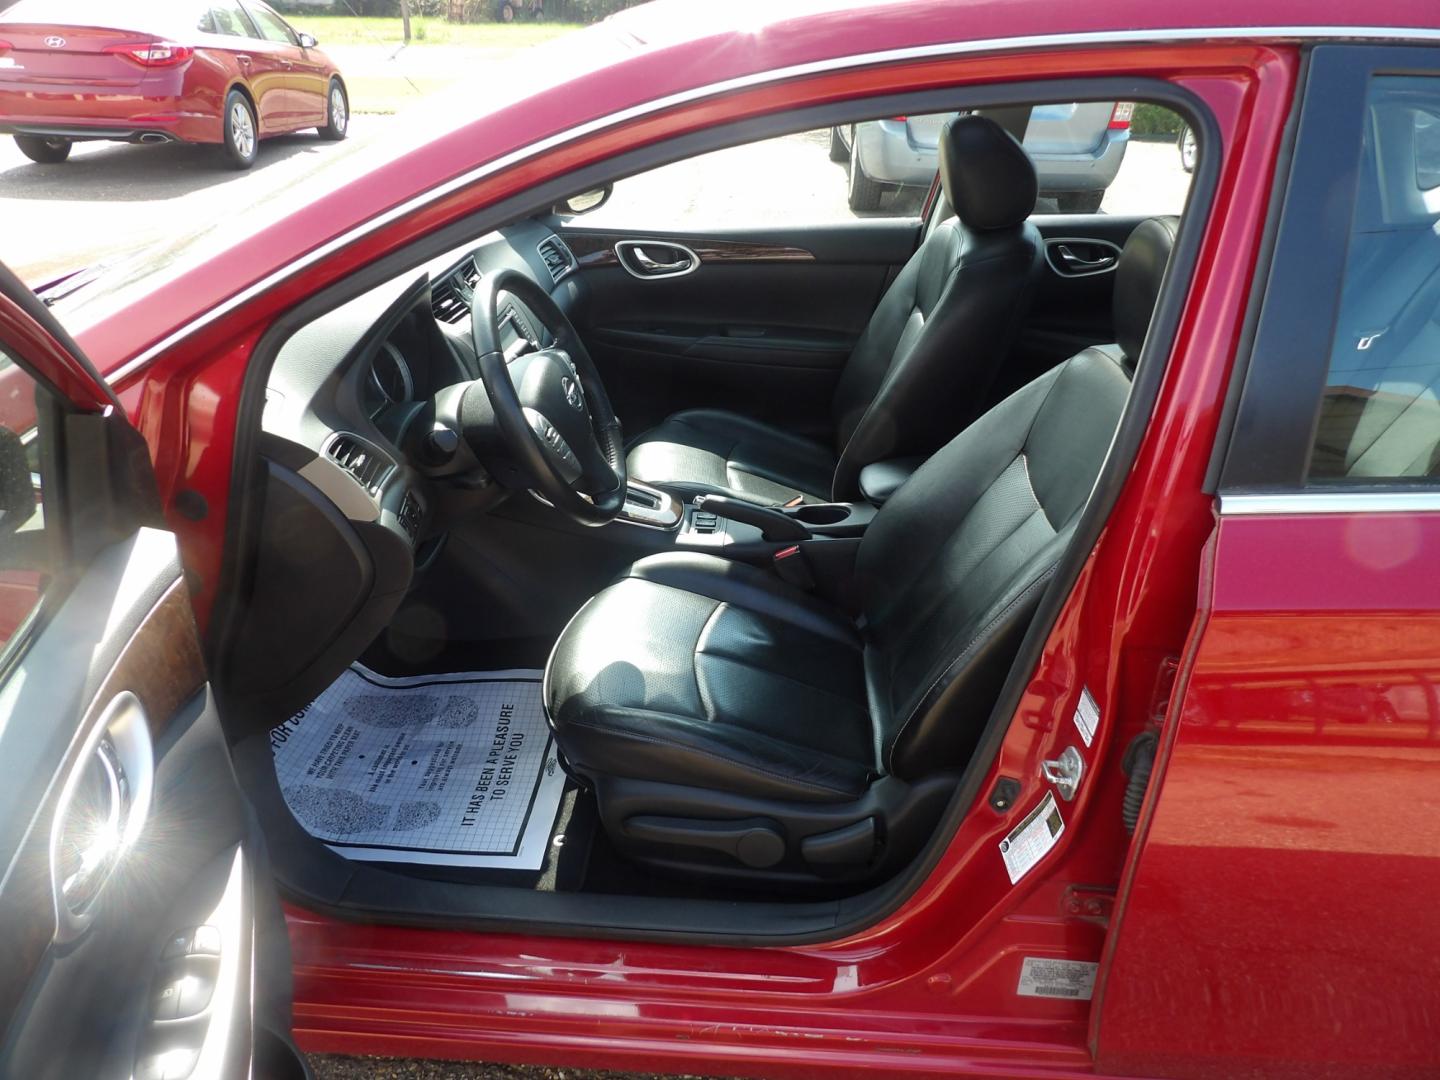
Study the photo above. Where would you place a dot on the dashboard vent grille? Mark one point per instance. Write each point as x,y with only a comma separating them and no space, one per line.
367,465
559,259
447,303
469,275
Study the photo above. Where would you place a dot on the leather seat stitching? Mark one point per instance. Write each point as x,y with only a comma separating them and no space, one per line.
981,633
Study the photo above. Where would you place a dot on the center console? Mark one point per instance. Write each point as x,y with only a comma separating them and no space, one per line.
811,545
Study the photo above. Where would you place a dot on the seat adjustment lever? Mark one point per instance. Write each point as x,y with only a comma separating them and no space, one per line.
755,842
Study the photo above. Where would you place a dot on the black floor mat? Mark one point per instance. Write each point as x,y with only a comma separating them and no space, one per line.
400,655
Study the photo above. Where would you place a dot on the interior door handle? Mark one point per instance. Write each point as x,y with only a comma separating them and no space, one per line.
1080,262
1065,258
101,811
640,263
654,267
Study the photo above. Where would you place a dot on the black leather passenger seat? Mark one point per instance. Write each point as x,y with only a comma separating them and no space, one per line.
732,724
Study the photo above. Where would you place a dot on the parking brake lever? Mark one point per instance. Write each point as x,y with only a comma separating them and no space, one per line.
773,525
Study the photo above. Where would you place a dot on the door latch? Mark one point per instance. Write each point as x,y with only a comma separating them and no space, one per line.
1065,772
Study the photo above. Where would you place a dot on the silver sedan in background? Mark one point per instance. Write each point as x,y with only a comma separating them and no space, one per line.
1077,150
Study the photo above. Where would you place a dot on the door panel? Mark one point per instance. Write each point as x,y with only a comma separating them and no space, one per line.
311,86
761,325
1071,309
134,898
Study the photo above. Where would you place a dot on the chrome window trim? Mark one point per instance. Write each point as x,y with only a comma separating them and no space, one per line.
859,60
1332,502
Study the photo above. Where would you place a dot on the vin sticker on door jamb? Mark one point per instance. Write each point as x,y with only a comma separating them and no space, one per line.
1033,838
1087,715
1043,977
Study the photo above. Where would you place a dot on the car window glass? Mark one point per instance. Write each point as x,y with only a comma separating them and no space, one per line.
1089,157
25,551
228,20
1129,158
272,27
1380,415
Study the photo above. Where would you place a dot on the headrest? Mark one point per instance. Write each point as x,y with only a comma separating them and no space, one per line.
1138,278
987,176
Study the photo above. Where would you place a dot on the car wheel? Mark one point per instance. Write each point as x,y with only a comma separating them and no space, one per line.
1186,143
337,113
838,150
864,192
242,137
1079,202
507,11
45,151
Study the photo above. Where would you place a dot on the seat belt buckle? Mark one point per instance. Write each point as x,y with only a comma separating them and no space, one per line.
792,566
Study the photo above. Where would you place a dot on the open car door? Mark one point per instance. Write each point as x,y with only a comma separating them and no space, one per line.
140,934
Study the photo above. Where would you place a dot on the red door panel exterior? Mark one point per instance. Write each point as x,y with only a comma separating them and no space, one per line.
1279,907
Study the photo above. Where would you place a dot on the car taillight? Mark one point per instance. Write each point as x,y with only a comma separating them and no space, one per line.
899,119
154,53
5,46
1120,115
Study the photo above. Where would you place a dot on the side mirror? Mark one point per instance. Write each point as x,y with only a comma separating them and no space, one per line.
585,201
307,41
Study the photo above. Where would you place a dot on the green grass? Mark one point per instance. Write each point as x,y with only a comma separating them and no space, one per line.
356,30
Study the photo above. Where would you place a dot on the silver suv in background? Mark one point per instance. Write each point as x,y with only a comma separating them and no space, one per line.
1077,150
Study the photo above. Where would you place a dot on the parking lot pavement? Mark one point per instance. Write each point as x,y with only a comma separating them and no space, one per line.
110,199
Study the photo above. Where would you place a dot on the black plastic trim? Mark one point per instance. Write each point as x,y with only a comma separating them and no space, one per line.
1244,349
769,923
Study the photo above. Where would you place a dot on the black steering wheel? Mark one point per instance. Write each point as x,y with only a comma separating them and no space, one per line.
550,406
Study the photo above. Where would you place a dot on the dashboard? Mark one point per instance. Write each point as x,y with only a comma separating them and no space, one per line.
346,517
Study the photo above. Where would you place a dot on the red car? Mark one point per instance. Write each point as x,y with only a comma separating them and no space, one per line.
969,642
228,73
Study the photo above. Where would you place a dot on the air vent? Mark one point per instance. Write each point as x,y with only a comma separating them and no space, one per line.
558,258
469,275
447,303
450,297
367,465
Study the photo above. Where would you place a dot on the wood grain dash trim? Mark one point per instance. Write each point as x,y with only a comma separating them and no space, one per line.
597,250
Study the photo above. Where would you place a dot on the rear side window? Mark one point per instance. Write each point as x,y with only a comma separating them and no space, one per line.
228,20
1380,415
272,27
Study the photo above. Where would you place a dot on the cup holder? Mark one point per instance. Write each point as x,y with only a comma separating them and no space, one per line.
822,513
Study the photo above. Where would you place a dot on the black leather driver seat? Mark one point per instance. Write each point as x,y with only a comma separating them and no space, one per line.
920,370
731,723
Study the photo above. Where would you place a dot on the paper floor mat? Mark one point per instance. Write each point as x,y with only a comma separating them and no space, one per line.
448,770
